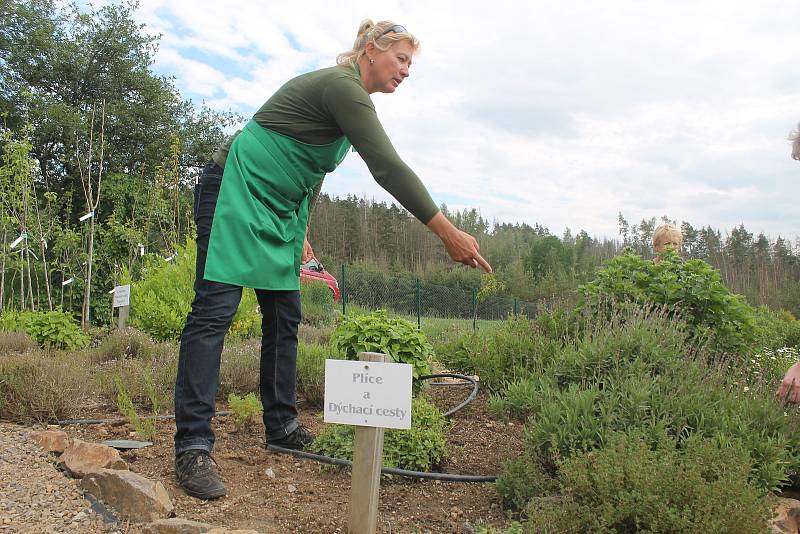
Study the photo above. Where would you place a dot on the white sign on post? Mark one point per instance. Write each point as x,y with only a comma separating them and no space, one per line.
122,296
368,393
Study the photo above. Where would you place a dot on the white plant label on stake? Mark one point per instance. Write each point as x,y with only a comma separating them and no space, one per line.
18,240
368,393
122,295
87,216
67,282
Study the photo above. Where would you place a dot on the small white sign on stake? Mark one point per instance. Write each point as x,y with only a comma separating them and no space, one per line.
122,296
368,393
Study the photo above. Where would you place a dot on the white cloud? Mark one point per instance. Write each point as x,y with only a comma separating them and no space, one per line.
562,114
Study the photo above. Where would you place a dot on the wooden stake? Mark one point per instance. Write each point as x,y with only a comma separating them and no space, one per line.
367,463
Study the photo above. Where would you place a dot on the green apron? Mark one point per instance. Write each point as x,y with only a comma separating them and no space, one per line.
262,210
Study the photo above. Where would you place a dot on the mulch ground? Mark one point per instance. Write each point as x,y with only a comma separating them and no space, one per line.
305,496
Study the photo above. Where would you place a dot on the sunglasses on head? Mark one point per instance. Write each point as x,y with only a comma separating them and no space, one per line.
394,29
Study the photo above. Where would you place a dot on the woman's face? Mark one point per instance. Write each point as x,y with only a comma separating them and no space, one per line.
667,242
389,69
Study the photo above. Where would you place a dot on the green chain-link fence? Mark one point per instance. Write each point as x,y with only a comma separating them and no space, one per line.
410,296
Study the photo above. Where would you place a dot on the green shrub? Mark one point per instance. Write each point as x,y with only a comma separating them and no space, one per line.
638,372
514,349
144,426
14,321
377,332
775,329
631,487
162,299
523,479
245,410
318,305
694,286
51,329
38,387
56,329
127,343
421,448
311,371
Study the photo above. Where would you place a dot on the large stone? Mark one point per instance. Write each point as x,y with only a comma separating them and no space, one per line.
55,441
81,458
132,496
184,526
787,517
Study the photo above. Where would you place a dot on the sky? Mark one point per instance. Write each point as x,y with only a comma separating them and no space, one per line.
558,113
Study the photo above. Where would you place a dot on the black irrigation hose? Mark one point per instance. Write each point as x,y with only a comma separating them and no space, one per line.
466,380
450,477
121,420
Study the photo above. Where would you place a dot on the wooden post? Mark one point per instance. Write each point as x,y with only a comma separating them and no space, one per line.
367,463
123,316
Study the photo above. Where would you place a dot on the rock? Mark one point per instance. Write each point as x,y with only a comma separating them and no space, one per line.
81,458
132,496
292,488
51,440
270,473
176,525
787,516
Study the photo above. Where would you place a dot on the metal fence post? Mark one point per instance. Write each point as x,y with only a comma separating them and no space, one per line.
516,307
419,306
474,309
343,292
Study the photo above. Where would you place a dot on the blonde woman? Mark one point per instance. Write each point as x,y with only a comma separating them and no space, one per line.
251,207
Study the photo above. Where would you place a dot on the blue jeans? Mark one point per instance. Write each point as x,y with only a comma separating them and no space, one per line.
202,339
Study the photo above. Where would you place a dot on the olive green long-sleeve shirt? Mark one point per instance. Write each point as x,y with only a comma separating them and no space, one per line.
320,107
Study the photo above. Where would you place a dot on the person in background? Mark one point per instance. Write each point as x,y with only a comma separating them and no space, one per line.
666,236
251,207
790,385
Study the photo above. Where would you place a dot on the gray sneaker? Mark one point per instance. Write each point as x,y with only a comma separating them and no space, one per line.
197,475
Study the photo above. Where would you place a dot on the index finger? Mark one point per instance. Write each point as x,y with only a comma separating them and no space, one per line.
483,263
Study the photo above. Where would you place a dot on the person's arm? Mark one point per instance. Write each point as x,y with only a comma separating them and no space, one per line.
790,386
461,246
352,109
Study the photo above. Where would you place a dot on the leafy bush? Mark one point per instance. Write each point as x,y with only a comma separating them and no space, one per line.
162,299
694,286
631,487
14,321
245,410
421,448
37,387
377,332
51,329
56,329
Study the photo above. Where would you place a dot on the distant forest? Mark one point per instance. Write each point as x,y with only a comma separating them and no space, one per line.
99,158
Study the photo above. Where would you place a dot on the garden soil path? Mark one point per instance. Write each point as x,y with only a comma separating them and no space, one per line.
304,497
